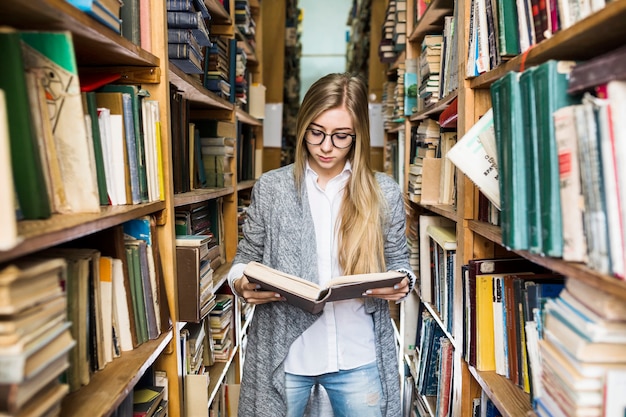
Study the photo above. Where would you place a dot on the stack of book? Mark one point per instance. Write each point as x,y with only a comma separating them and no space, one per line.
195,276
243,19
428,71
35,339
217,150
218,67
241,76
221,320
187,34
583,348
387,48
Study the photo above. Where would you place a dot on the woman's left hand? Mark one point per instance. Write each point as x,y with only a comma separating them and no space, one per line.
395,293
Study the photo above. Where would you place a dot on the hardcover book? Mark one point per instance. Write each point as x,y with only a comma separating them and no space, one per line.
312,297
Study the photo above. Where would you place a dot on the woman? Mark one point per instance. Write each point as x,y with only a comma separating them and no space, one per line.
325,215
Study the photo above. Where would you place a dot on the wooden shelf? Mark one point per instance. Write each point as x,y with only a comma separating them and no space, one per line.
573,43
60,228
444,210
245,185
219,15
510,399
217,373
432,20
200,195
192,89
246,118
436,108
94,43
101,397
573,270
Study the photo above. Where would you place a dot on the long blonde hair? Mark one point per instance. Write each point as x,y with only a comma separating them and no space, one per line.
361,219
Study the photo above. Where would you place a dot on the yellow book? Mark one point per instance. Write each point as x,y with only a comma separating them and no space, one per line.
485,352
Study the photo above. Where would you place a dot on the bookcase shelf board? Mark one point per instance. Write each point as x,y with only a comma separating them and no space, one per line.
41,234
445,210
100,397
573,43
245,185
570,269
220,275
246,118
217,373
199,195
434,109
193,90
94,43
431,21
219,15
497,386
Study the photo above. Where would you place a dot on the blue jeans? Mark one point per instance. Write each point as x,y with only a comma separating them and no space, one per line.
352,393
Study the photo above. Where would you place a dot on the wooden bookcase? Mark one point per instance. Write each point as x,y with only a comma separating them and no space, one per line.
99,49
600,32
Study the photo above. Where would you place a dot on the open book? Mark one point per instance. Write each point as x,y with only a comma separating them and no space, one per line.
310,296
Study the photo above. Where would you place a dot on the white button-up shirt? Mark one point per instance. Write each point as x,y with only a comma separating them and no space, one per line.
343,337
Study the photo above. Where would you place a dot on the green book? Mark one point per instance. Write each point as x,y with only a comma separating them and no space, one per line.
550,84
136,289
30,184
508,28
510,143
533,181
91,108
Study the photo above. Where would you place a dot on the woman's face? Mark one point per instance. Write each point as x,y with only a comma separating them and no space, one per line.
324,158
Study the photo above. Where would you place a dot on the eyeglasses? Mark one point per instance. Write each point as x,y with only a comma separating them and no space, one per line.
339,140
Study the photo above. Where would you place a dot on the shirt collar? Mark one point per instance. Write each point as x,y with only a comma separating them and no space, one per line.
347,170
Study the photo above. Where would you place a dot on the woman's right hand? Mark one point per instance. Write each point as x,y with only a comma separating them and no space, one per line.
251,294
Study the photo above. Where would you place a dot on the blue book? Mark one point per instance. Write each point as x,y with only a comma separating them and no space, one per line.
98,11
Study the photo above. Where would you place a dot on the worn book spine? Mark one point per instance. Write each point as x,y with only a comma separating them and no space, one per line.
29,179
510,141
550,83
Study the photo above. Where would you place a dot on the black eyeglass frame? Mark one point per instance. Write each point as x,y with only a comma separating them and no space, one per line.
332,139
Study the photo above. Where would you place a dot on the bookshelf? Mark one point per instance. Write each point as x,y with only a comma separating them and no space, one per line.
100,51
598,33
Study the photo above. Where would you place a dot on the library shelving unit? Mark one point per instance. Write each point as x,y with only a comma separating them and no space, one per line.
600,32
204,105
102,50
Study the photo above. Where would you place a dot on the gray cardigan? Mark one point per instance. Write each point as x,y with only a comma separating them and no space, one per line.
279,232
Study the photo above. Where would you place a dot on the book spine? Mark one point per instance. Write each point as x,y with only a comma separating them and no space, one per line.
30,185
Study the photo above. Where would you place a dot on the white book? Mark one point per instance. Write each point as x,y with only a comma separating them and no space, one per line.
572,200
121,311
9,237
616,92
117,144
470,156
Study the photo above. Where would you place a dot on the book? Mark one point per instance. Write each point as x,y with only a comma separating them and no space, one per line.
51,56
146,400
30,185
9,237
470,156
533,180
102,11
550,83
510,141
14,397
28,282
91,116
572,200
312,297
